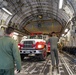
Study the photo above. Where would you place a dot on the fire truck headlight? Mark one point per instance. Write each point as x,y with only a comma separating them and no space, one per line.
39,46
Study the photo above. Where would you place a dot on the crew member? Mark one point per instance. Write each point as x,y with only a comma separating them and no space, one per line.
9,53
54,51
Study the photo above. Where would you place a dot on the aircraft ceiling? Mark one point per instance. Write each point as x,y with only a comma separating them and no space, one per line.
27,12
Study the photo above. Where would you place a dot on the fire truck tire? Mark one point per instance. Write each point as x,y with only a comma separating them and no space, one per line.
43,56
22,57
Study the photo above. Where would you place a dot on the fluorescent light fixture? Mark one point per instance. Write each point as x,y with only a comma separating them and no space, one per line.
60,4
15,33
62,34
66,30
7,11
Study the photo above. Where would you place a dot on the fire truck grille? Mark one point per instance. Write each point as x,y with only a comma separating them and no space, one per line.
28,44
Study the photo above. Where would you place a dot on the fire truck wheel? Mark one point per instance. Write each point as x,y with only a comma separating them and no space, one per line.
22,57
43,56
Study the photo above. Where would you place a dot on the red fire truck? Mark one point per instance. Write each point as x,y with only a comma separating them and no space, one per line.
35,46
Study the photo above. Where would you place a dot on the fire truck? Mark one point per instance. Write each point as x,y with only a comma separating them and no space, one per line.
34,45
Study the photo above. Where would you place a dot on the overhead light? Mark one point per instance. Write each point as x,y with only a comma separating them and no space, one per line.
40,16
15,33
7,11
66,30
60,4
62,34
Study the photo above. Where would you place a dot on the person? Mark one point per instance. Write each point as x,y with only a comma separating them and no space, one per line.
9,53
54,52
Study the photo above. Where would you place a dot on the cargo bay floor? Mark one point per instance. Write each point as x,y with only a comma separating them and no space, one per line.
33,66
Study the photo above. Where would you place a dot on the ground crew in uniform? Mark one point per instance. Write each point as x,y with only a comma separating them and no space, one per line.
54,52
9,53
